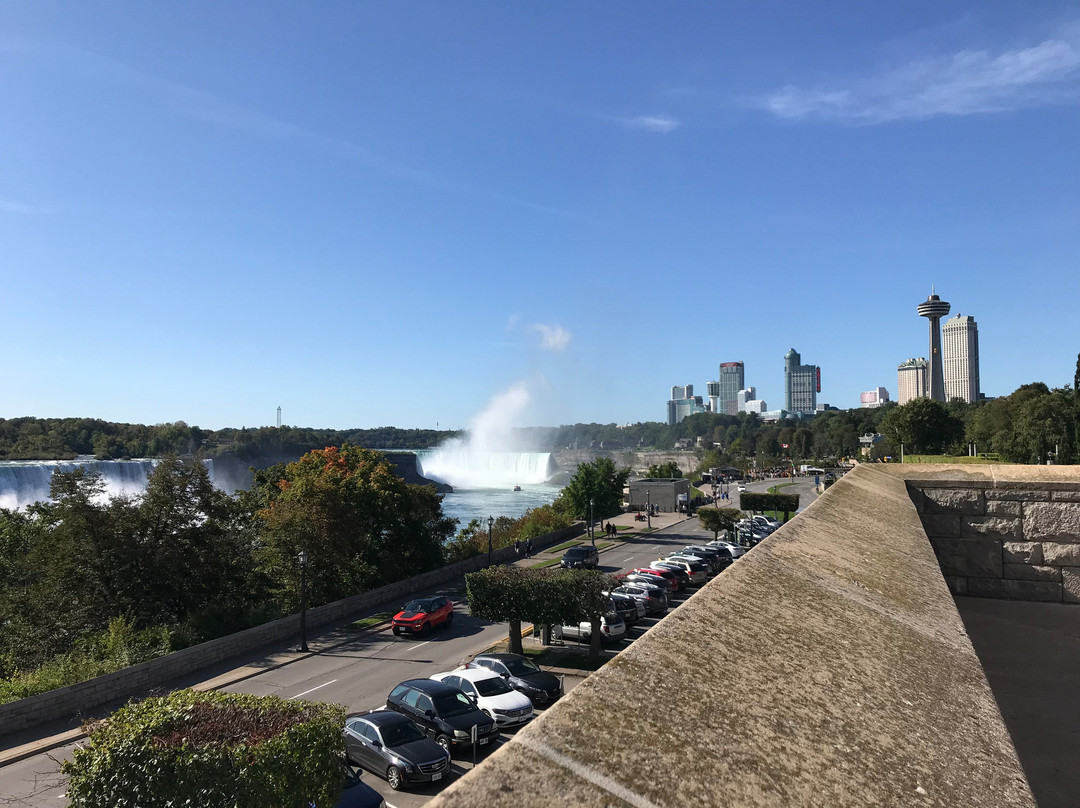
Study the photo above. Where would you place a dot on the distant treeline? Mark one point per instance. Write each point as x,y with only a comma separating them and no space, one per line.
64,438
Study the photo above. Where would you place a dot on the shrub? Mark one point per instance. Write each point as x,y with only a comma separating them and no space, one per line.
211,750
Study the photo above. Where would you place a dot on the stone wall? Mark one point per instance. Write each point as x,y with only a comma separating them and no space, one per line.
76,701
1004,537
827,667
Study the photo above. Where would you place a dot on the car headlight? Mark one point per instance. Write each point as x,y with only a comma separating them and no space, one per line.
460,733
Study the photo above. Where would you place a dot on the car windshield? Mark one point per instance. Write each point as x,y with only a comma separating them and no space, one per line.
521,667
576,551
447,705
400,733
416,606
495,686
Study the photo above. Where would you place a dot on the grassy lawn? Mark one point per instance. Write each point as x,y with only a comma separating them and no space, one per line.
604,545
946,459
369,621
549,563
563,547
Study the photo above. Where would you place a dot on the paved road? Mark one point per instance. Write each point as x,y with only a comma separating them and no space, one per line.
359,671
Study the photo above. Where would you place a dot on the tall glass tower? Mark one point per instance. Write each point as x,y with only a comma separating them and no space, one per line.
731,381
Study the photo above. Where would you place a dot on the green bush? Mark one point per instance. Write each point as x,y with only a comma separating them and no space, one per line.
211,750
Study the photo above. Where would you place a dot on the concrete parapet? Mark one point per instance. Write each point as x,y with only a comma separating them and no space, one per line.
828,667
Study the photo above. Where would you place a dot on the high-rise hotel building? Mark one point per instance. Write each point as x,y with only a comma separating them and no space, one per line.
802,383
960,352
731,381
911,380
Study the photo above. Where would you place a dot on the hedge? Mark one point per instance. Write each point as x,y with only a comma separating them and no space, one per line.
759,503
211,750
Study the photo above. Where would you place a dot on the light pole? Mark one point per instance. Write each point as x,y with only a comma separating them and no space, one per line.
648,506
302,558
592,531
491,523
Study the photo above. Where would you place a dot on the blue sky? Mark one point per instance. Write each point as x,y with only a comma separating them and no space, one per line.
393,213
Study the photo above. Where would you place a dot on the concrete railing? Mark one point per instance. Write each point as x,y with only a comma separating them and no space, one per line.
73,701
828,667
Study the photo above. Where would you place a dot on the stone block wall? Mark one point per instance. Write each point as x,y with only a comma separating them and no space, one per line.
1004,539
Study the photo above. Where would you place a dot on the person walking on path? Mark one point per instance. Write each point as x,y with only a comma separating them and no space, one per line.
528,548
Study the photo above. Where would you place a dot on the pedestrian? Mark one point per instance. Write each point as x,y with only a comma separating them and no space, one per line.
517,547
528,548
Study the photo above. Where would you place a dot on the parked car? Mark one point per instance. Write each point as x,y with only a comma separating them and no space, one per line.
442,711
654,598
421,615
358,794
767,521
392,746
629,610
492,694
718,559
669,577
742,488
697,572
522,674
584,556
612,628
735,550
624,607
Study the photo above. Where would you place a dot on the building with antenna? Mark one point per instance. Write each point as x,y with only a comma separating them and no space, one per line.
933,309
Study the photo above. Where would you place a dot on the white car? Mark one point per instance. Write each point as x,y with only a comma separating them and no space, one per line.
492,694
735,550
742,488
765,521
697,576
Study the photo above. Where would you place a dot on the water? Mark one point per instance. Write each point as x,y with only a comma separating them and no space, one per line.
23,482
463,466
480,503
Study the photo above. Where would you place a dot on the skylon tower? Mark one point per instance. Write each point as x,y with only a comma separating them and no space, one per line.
933,309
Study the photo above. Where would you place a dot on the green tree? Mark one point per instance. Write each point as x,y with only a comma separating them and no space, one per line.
360,524
717,519
669,470
544,597
598,481
923,426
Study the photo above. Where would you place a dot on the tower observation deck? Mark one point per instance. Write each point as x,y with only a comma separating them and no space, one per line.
933,309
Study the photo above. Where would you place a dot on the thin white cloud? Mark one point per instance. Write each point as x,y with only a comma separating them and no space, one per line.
963,83
20,208
552,337
663,124
216,111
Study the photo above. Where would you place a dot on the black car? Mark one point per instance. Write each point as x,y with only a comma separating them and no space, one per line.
392,746
357,794
625,608
442,712
583,556
718,561
522,674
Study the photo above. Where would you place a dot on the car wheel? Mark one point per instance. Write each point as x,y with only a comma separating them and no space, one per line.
424,629
443,741
450,620
395,778
397,631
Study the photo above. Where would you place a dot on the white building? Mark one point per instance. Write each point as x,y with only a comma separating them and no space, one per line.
873,398
960,355
911,380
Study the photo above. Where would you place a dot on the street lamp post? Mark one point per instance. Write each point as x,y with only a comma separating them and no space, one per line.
648,506
592,530
491,523
302,558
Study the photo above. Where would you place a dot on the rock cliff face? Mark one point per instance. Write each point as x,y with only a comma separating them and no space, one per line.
232,473
570,459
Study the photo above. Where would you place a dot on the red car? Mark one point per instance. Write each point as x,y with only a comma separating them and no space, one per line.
668,578
423,614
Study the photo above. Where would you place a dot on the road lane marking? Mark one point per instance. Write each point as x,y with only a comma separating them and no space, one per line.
324,684
417,646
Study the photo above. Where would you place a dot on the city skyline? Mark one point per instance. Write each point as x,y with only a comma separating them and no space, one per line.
371,214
